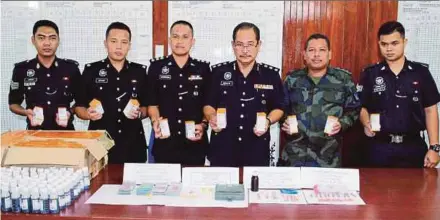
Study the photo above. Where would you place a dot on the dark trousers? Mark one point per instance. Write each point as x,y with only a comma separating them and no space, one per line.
409,154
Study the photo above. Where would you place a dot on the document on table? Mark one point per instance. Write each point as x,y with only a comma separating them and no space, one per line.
209,176
333,198
347,179
107,194
273,177
204,196
276,196
151,173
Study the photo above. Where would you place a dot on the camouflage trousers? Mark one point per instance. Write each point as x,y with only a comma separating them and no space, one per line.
318,151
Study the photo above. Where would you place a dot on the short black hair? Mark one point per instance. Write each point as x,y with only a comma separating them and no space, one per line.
390,27
118,25
246,25
316,37
45,23
182,22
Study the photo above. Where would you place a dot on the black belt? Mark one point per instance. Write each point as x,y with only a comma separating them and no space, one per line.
396,138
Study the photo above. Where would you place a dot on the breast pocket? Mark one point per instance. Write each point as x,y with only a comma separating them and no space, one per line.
336,96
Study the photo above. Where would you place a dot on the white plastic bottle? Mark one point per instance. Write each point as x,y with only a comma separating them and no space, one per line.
44,200
35,198
86,178
25,200
54,205
6,199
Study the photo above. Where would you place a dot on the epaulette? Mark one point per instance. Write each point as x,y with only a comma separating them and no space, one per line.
219,64
138,65
71,61
422,64
371,66
94,63
201,61
297,72
21,63
158,58
343,70
267,66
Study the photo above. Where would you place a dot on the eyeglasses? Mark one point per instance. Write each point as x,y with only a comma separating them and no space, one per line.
242,46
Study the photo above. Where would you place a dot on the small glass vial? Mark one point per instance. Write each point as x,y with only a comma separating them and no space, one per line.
54,205
6,199
254,182
35,198
44,201
15,199
25,200
86,178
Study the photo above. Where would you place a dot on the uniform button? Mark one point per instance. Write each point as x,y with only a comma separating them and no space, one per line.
48,88
181,75
180,97
140,132
117,78
119,131
117,89
398,91
180,86
380,93
242,104
224,92
178,132
180,109
239,138
48,75
241,127
244,93
66,87
119,120
134,89
241,116
244,82
196,86
397,106
164,86
29,88
179,121
119,110
262,95
48,102
397,77
416,92
100,88
118,100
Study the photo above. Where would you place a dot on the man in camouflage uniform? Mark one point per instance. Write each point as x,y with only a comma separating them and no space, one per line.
315,94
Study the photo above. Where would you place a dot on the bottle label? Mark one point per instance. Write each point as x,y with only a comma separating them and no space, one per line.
53,206
24,204
8,202
36,204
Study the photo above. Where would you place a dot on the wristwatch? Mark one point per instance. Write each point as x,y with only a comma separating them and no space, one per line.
435,147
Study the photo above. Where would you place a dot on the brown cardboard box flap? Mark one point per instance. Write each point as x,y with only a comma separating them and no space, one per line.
36,155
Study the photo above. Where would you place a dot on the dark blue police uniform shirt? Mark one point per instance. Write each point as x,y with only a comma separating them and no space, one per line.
49,88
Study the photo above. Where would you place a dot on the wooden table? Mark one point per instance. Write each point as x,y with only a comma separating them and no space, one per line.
389,193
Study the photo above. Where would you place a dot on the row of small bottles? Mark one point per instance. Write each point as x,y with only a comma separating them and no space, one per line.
41,190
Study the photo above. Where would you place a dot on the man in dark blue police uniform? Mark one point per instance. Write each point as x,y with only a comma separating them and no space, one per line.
176,88
115,82
244,88
46,81
405,96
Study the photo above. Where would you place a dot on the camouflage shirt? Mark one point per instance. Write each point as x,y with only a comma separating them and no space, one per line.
334,95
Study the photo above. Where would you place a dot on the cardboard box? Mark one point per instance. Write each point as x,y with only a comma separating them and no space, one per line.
65,148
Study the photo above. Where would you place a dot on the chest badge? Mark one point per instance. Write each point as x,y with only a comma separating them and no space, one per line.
228,75
165,70
30,73
102,73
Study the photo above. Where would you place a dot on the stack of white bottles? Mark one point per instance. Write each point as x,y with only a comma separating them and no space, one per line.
41,190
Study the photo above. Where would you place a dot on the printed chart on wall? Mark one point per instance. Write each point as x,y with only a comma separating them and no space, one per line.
421,20
82,27
213,23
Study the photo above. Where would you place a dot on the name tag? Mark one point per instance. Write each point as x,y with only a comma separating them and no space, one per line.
263,86
195,77
226,83
30,81
166,77
101,80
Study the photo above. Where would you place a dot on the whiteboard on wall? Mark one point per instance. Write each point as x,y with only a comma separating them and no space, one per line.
213,23
82,26
421,20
